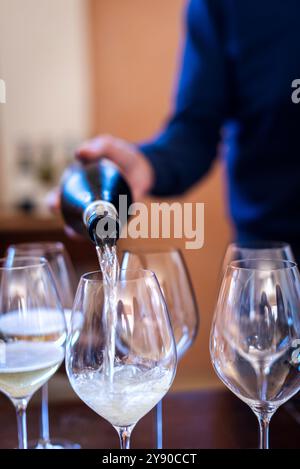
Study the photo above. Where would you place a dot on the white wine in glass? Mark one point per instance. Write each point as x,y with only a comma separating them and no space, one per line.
64,278
32,338
27,367
134,392
142,355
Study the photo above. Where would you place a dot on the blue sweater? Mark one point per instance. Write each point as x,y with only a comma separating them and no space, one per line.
240,59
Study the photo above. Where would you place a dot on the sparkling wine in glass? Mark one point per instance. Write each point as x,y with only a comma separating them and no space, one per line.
121,377
255,335
64,277
170,269
32,332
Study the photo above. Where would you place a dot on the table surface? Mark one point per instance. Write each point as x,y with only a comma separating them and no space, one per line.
198,419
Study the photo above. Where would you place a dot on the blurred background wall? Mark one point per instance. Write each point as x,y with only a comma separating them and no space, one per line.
43,60
76,68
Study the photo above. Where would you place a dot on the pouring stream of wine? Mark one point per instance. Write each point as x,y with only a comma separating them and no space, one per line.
109,265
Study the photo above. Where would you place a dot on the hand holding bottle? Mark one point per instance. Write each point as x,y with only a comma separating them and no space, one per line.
133,165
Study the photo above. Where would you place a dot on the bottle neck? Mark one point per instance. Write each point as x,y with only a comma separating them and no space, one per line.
102,222
99,208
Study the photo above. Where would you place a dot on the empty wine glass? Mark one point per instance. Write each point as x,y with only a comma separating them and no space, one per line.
263,250
277,250
255,335
169,267
64,277
32,332
121,353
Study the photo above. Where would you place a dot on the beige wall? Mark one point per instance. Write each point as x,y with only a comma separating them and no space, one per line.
44,61
134,59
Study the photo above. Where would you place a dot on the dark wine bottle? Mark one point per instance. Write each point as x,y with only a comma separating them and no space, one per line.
90,200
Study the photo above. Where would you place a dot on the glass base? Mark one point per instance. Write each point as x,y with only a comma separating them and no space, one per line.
53,444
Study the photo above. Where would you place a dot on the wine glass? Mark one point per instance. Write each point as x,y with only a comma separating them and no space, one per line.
261,250
255,335
32,332
257,250
64,277
121,353
169,267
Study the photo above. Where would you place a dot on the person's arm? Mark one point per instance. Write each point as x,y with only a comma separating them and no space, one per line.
184,151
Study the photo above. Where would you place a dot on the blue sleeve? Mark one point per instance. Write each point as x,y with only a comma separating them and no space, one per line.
185,149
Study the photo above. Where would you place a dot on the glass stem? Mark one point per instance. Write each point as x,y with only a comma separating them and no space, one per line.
124,435
264,424
21,421
44,421
264,416
159,425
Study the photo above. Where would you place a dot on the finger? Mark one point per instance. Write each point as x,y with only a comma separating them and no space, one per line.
118,151
95,148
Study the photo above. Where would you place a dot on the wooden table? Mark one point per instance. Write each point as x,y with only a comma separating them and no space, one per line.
202,419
